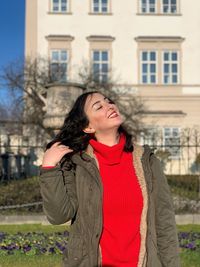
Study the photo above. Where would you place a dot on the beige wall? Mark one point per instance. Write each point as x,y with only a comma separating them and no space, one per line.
31,29
125,25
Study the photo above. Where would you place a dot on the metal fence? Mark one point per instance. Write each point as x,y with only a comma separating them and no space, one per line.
18,162
181,159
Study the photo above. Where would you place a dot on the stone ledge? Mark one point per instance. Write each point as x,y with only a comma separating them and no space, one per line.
41,219
188,219
25,219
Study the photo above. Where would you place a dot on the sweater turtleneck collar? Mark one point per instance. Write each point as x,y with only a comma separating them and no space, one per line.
108,155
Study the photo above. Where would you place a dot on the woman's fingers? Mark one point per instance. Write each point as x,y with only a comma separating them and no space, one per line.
65,150
55,144
54,154
61,146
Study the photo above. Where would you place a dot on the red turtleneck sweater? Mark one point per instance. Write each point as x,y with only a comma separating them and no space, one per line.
122,205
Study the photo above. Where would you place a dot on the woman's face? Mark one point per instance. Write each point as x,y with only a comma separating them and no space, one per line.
103,115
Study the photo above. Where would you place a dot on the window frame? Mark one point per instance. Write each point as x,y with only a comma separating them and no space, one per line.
58,62
160,44
148,6
151,136
101,62
171,62
172,156
61,42
101,43
100,5
149,62
169,7
68,2
158,8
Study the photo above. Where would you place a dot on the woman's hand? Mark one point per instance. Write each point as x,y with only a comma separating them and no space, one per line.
54,154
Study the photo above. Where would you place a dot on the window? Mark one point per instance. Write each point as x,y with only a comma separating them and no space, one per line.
151,136
100,65
59,65
170,67
171,137
100,56
148,67
59,6
100,6
59,51
159,60
148,6
169,6
163,7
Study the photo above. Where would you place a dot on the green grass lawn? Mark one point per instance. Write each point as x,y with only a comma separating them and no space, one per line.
31,261
189,228
188,258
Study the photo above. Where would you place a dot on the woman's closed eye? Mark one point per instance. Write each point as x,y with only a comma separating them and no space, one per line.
99,107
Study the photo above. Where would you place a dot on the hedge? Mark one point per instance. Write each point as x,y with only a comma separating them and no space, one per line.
186,186
28,191
21,191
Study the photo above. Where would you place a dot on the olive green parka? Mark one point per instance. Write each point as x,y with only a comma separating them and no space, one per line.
76,195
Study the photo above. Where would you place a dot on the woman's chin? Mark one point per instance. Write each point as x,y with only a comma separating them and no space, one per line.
117,123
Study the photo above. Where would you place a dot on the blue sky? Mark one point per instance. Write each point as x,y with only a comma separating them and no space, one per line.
12,18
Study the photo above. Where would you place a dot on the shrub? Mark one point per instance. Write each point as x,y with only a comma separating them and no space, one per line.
184,185
21,192
189,182
28,191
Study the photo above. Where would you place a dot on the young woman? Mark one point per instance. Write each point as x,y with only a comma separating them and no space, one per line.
113,191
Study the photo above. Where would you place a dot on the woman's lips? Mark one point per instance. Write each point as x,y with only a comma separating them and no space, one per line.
113,115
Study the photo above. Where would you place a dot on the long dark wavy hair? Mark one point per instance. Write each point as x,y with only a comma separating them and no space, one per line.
71,133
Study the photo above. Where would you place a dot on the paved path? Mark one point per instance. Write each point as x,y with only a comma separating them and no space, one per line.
24,219
34,219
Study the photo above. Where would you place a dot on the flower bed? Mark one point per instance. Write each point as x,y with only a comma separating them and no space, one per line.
189,240
38,243
33,243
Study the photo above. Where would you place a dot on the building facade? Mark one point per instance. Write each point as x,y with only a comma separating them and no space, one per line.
151,47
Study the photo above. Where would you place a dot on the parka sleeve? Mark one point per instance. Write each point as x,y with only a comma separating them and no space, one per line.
58,190
167,238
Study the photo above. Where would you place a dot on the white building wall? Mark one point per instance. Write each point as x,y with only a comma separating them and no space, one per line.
124,24
191,46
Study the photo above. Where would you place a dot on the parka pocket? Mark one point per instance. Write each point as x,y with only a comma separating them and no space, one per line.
75,252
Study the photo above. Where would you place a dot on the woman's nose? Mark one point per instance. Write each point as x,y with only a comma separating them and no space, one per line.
109,106
112,105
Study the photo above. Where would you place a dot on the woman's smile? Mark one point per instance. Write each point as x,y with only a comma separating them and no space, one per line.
113,114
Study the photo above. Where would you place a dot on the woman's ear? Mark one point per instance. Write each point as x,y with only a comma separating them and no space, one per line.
89,130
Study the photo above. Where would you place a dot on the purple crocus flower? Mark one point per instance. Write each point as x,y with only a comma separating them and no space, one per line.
26,248
52,250
191,246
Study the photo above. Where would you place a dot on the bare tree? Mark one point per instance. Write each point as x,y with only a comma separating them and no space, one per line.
3,112
28,83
